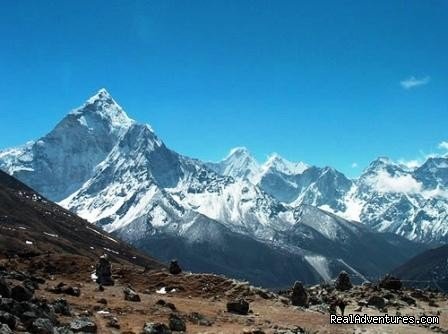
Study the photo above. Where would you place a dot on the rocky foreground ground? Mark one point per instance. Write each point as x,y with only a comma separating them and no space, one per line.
74,294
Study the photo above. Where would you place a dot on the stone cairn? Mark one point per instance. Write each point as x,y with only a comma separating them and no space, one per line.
104,271
175,269
299,296
343,282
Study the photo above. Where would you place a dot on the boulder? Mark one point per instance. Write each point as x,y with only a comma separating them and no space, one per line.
163,303
113,323
408,300
343,282
390,283
104,271
21,293
299,296
65,289
377,301
83,324
239,306
131,295
419,294
61,306
156,328
9,319
175,269
4,329
199,319
176,323
42,326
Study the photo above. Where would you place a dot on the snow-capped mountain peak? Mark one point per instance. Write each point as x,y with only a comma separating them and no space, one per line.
239,163
276,163
101,105
239,152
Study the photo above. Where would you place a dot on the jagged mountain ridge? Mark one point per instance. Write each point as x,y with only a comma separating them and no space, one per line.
150,195
388,196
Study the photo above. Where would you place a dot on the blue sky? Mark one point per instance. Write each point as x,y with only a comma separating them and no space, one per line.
326,82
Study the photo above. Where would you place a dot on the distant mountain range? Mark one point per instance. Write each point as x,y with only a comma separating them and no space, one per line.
271,223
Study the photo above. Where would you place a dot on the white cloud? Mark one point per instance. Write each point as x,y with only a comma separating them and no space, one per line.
435,193
443,145
384,182
406,184
411,164
354,165
413,82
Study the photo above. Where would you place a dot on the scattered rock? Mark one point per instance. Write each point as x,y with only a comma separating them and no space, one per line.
102,301
432,303
239,306
199,319
9,319
113,323
408,299
420,295
390,283
131,295
299,296
175,269
4,329
83,325
176,323
253,331
62,288
363,302
376,301
163,303
104,271
42,326
343,282
156,328
61,306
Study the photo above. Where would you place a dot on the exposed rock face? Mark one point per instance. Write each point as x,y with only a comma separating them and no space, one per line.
239,306
391,283
131,295
104,271
299,296
175,269
343,282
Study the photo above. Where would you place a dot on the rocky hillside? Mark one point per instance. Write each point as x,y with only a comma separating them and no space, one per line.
31,225
428,269
55,294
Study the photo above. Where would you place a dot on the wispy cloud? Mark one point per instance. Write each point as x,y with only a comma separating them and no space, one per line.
354,165
413,82
443,145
